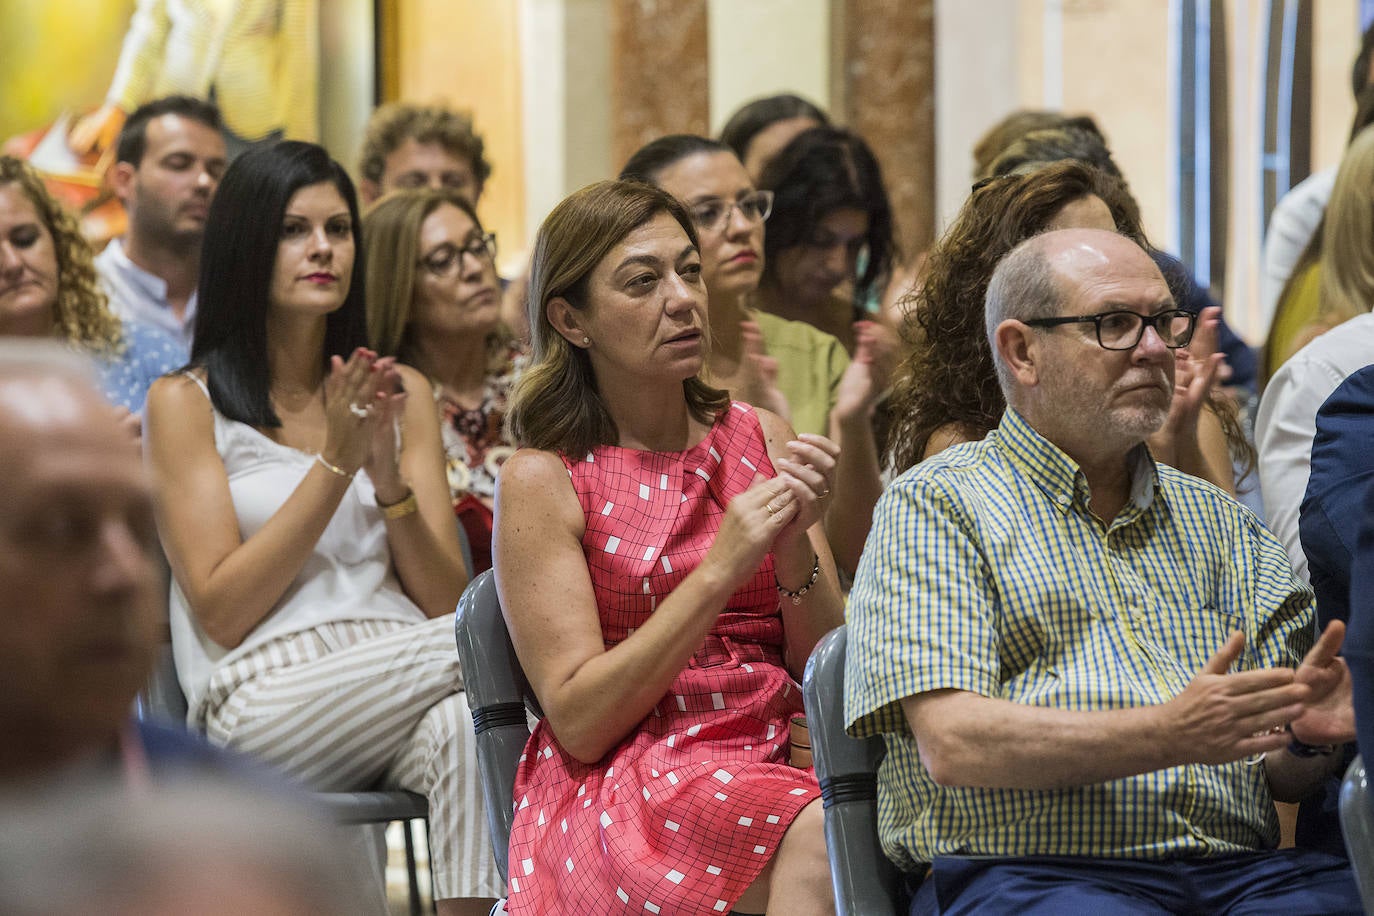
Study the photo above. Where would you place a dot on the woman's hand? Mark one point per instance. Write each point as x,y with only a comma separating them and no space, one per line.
383,463
808,473
350,408
752,522
761,373
1196,369
863,383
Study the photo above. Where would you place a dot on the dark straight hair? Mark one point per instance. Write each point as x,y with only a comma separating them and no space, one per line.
133,137
656,155
238,256
822,170
756,116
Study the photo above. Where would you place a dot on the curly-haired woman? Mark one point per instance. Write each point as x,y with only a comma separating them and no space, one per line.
946,390
48,288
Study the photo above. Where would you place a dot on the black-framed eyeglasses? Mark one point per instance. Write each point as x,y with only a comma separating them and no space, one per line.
713,214
445,260
1122,330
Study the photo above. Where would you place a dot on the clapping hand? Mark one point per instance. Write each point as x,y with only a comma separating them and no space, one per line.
355,403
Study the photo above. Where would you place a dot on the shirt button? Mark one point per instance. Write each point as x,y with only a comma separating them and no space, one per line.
1062,499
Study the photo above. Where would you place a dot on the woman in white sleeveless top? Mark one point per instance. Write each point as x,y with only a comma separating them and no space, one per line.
302,504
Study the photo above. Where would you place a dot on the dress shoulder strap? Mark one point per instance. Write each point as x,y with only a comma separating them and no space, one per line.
200,383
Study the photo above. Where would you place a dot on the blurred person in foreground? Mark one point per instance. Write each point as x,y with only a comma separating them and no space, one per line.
195,846
81,584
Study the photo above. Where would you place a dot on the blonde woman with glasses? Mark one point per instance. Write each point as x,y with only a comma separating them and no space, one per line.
433,302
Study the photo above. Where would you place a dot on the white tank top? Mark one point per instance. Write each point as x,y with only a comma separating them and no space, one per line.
348,576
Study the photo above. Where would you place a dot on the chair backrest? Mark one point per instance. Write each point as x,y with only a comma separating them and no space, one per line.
162,700
865,880
498,695
1357,824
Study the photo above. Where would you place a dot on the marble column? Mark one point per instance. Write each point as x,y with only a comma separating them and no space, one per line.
886,91
658,73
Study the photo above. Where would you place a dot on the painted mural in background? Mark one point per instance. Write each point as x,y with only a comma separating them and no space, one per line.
72,71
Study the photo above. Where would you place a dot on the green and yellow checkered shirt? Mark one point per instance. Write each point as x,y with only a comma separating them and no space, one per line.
985,571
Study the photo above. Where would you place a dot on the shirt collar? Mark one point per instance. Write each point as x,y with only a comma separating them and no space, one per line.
151,284
1059,477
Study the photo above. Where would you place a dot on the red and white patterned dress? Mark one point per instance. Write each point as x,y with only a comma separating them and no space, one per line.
681,816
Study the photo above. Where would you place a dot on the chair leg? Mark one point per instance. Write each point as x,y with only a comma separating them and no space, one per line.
429,857
414,879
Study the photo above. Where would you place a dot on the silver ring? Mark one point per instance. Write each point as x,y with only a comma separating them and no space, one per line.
362,413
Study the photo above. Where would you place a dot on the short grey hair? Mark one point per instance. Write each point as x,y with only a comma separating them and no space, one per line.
1023,287
73,847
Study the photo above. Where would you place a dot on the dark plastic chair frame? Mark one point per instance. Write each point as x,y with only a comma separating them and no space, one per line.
499,696
865,880
1357,825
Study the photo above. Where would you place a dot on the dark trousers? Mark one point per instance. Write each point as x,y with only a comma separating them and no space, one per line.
1291,882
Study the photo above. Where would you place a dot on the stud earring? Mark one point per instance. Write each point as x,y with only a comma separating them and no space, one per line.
586,341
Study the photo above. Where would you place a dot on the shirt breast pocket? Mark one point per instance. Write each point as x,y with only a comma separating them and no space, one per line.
1202,633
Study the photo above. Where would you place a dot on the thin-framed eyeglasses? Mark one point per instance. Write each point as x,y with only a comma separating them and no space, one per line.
713,214
1122,330
444,261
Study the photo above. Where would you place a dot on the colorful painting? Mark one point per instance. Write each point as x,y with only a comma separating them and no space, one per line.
74,70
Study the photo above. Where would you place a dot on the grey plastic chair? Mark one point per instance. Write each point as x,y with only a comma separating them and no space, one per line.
866,882
499,696
1357,824
162,701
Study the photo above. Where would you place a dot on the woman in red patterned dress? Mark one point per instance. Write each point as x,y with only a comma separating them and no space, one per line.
661,561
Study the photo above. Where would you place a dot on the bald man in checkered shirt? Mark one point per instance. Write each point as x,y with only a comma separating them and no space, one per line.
1094,673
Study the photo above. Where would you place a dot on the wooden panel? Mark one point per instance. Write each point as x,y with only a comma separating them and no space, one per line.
888,83
659,82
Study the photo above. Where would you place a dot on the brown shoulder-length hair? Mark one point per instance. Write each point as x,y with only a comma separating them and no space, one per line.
81,313
947,375
392,229
556,405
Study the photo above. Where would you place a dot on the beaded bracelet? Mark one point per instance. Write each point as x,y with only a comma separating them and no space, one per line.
1302,749
797,595
333,468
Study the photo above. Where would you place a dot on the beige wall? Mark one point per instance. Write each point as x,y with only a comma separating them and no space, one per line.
763,47
534,74
475,67
1111,58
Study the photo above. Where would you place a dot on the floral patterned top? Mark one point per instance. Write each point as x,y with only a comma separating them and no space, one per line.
476,444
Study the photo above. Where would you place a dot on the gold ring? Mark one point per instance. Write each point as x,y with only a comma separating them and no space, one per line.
771,510
825,494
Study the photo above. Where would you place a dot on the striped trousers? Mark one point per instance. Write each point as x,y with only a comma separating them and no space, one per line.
348,703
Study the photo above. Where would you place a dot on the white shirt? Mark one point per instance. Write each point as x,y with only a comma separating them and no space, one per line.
348,575
1290,229
1287,422
137,295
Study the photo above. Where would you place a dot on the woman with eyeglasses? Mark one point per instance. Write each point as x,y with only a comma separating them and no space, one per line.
433,302
945,392
789,367
301,502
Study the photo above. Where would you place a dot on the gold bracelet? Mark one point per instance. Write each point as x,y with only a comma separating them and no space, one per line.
401,507
334,468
